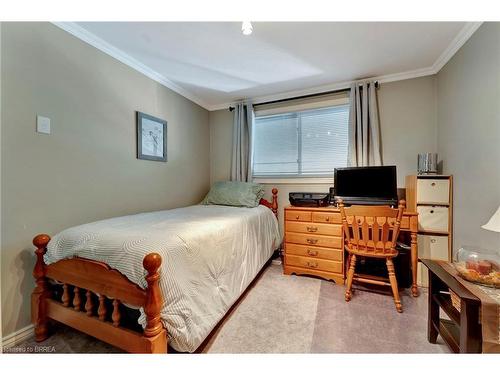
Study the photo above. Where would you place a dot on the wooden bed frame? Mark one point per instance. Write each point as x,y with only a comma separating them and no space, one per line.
87,284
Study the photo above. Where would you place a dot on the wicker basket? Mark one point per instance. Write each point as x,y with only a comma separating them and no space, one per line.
455,300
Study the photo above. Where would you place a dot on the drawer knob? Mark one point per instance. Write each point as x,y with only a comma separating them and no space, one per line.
433,184
312,253
432,211
312,229
312,264
312,241
327,218
433,240
297,217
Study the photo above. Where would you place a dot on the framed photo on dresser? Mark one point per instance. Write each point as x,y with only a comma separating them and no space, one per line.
151,137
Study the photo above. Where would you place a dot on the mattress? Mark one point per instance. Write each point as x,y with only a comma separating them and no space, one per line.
210,255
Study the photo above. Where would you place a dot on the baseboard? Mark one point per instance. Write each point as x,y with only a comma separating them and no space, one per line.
19,336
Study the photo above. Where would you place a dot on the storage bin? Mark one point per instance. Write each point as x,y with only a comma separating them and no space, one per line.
433,191
433,219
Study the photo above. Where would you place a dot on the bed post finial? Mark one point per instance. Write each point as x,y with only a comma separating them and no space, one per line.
154,299
274,204
38,304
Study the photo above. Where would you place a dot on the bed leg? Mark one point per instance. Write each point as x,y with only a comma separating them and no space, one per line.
40,293
274,204
154,332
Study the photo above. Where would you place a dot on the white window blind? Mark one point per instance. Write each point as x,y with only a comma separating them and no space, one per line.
304,144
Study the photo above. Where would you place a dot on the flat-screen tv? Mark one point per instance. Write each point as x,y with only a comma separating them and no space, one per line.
366,185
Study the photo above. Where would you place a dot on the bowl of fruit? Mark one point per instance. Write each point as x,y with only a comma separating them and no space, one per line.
478,266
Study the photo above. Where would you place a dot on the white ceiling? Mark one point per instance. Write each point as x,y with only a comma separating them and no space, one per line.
214,64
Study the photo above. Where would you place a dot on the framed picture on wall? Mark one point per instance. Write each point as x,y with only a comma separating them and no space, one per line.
151,138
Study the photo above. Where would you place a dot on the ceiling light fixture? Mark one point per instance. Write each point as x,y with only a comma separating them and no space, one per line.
246,28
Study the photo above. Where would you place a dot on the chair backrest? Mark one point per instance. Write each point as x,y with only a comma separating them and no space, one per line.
371,229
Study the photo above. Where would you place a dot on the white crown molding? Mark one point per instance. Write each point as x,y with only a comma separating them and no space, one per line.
464,34
92,39
462,37
18,337
331,87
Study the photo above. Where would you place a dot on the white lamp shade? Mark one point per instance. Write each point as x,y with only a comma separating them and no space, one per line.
494,223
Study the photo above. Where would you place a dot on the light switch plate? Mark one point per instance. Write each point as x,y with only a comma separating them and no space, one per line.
43,124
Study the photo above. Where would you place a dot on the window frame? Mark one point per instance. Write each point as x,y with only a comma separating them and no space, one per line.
298,177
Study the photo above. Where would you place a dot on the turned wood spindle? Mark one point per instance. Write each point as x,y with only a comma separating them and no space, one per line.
76,299
274,203
88,303
115,316
154,298
65,296
101,311
40,293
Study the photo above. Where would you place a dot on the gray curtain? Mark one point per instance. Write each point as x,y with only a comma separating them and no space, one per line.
241,158
364,128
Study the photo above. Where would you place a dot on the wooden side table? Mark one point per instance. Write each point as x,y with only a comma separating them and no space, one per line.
462,333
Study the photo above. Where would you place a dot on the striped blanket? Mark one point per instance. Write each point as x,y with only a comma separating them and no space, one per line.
210,255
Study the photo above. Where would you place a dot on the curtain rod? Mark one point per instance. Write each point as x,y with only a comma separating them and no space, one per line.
305,96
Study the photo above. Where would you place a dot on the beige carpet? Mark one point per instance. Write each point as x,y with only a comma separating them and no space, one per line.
276,316
296,314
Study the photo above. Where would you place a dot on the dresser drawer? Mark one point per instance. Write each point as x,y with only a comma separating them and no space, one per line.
315,228
291,215
313,252
314,263
432,219
327,217
433,191
405,222
314,240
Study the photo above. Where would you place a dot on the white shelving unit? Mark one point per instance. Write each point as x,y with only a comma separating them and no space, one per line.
432,197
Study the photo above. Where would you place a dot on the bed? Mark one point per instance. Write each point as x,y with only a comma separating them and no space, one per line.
182,269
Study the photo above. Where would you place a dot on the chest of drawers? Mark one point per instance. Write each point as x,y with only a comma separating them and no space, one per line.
314,243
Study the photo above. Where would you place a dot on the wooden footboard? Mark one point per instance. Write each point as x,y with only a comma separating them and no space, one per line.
91,294
86,285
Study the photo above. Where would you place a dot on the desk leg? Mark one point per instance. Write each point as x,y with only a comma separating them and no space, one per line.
414,264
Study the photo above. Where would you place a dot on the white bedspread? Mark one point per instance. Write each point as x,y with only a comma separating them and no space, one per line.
210,255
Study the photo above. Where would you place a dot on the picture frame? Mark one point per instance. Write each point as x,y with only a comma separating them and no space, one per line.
151,137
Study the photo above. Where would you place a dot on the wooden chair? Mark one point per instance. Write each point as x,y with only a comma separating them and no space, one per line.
372,231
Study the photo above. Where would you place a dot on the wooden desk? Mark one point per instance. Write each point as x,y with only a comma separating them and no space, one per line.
314,242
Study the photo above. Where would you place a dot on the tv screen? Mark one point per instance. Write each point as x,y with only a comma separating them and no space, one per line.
366,182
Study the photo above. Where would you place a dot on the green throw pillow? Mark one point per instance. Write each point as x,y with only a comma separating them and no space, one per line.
234,193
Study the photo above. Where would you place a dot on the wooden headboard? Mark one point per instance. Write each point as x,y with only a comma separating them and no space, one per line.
273,206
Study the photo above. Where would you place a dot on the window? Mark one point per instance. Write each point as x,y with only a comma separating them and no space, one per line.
301,144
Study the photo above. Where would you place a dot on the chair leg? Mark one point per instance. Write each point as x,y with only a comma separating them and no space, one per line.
394,284
350,275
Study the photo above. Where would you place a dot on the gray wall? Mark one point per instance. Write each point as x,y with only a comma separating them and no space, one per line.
87,168
408,124
468,94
